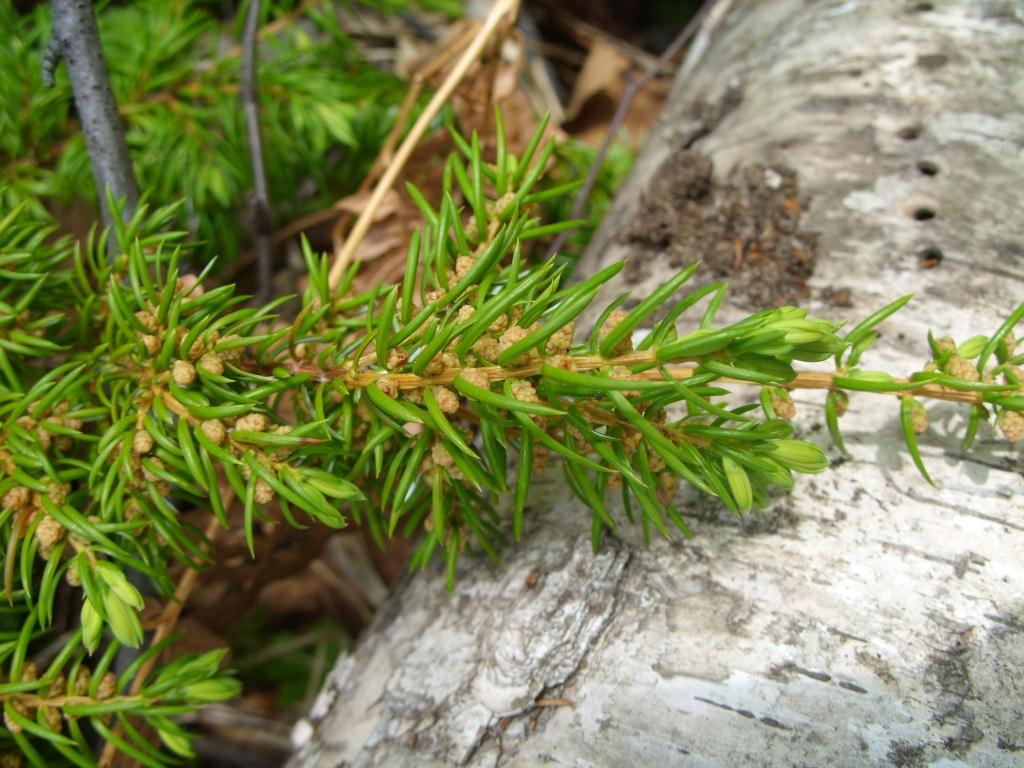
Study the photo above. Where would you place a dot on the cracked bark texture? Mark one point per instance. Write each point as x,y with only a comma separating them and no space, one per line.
866,618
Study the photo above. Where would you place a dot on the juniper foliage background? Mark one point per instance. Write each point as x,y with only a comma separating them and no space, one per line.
175,70
133,394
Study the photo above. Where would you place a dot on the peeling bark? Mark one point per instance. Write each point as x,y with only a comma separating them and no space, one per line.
866,618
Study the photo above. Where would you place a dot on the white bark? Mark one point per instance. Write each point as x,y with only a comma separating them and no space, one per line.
866,618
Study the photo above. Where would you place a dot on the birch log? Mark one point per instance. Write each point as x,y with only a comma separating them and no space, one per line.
865,619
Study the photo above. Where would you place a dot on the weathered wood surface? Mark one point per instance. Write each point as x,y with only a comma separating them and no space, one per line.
865,619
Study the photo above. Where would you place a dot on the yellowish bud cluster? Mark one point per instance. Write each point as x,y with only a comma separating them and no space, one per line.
388,385
782,404
48,533
212,362
107,687
447,400
961,369
610,324
16,498
397,358
183,373
252,422
561,342
1011,424
462,266
918,417
215,430
525,392
263,493
477,377
142,442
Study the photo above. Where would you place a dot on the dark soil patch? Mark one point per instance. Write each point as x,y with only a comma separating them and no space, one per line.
745,228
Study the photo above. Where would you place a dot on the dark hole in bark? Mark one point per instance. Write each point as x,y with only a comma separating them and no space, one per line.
932,60
928,168
924,214
909,133
923,7
929,258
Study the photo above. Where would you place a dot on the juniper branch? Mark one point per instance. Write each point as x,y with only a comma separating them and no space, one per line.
261,198
76,39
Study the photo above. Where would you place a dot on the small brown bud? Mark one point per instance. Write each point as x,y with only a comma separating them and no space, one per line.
388,385
263,493
212,362
524,392
148,321
72,576
961,369
434,367
512,336
610,324
476,377
152,344
487,349
1011,342
189,285
918,417
233,353
842,401
562,340
945,344
132,510
214,429
565,362
107,686
252,422
669,481
9,722
183,373
53,718
433,296
654,461
462,266
29,672
441,456
82,681
58,492
397,358
1011,424
498,325
466,312
782,403
142,443
16,498
57,686
49,532
447,400
149,474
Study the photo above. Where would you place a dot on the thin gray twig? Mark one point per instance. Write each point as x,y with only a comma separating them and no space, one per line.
76,39
261,198
632,89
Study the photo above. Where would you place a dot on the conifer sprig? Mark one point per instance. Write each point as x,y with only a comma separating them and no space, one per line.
131,393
